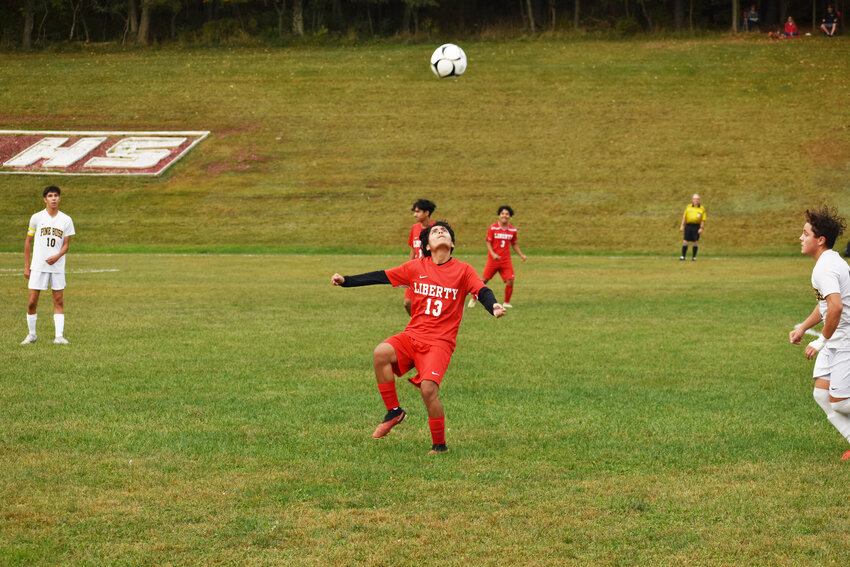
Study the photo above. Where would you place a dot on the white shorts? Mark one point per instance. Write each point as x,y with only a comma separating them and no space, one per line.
43,280
834,365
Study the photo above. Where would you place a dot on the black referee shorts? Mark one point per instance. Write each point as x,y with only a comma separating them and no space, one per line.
691,232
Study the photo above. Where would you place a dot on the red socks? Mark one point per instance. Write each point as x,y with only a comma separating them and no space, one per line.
388,393
438,429
509,291
436,424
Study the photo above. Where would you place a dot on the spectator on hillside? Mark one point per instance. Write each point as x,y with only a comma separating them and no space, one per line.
829,24
751,19
790,28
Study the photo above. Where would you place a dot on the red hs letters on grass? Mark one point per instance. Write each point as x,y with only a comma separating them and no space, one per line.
93,153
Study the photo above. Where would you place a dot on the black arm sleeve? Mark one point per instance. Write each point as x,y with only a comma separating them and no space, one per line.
369,278
487,298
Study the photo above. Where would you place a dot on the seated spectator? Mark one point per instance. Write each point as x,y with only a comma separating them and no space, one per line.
751,19
829,24
790,28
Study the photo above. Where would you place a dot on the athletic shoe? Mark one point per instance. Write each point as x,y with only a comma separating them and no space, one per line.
393,418
507,305
60,341
441,448
693,259
29,340
471,303
846,456
681,258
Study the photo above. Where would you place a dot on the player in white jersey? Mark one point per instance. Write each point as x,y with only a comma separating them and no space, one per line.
831,280
48,238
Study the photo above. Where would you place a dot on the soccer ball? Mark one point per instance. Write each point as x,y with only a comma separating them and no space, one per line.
448,60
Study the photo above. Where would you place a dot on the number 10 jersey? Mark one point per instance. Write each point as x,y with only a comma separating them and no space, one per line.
49,233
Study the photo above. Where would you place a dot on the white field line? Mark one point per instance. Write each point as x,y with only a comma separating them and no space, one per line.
809,332
17,272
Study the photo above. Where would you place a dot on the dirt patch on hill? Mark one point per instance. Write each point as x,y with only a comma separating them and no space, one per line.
830,152
242,161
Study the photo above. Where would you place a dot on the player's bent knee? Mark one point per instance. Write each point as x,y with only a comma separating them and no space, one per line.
384,353
430,390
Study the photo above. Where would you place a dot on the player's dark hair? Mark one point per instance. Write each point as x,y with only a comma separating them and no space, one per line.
424,205
426,232
826,222
51,189
505,208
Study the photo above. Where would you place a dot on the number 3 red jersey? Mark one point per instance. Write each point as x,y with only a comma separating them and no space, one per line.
439,292
500,239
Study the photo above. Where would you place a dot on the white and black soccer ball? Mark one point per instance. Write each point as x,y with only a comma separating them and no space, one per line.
448,60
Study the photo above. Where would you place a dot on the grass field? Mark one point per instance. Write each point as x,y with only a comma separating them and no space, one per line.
216,404
628,411
597,145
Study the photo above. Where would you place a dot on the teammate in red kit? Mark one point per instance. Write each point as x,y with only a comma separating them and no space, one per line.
422,210
440,285
499,235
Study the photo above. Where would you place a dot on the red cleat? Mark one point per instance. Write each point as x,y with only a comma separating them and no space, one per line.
393,418
846,456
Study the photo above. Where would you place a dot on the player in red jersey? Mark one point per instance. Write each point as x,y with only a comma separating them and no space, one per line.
440,285
499,235
422,210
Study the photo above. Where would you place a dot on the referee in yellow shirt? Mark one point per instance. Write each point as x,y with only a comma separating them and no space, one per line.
693,221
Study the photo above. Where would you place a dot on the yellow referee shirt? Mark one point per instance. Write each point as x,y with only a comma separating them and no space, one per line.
694,215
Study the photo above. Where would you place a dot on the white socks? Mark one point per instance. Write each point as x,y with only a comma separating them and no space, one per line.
842,407
840,420
31,319
58,322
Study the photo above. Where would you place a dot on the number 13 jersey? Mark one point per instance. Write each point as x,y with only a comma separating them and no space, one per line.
439,292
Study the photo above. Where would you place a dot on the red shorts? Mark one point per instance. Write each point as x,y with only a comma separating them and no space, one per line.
505,270
430,361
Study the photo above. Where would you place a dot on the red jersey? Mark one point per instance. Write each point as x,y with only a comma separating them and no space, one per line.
413,240
501,239
439,293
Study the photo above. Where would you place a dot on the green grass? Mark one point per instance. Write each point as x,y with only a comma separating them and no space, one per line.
597,145
218,410
631,410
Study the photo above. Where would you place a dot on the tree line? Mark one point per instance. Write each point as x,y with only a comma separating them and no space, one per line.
31,24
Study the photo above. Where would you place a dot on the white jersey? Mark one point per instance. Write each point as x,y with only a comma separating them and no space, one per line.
49,233
832,275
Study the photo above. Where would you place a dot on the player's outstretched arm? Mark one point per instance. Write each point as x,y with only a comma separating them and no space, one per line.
369,278
488,300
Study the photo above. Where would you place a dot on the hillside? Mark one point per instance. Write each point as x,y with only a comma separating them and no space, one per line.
597,145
